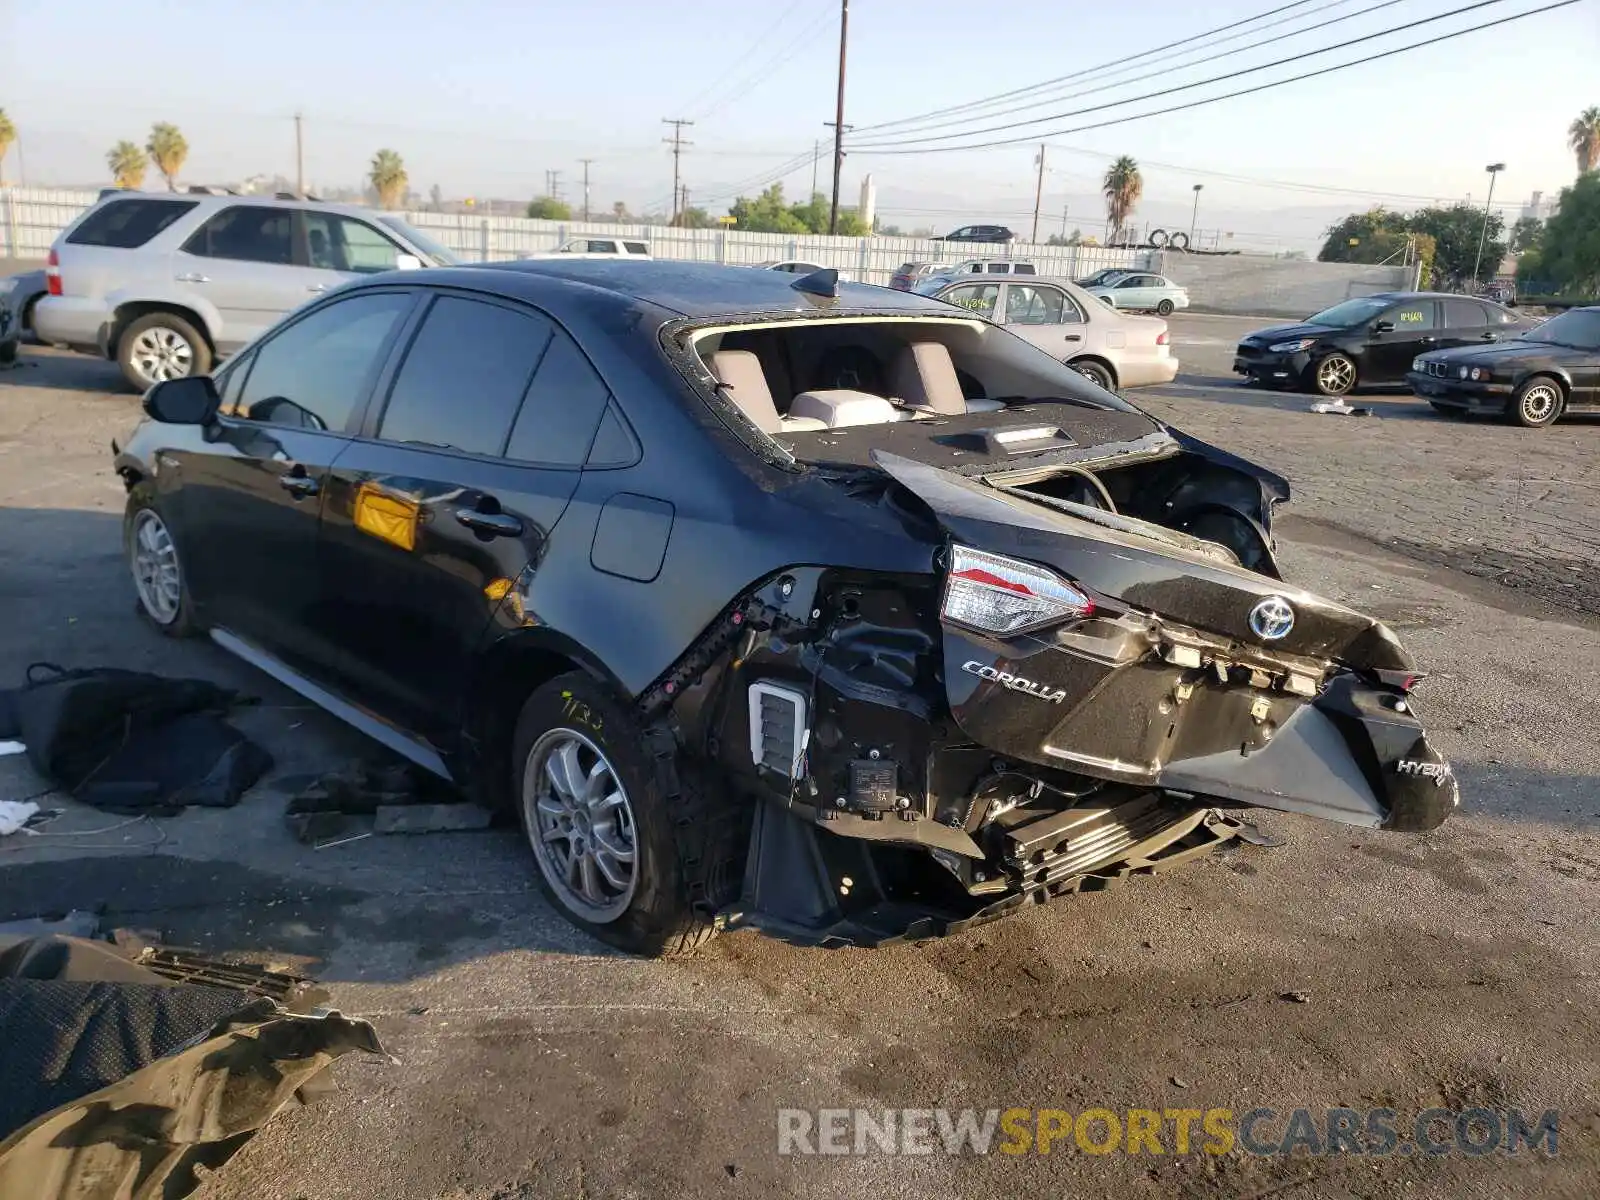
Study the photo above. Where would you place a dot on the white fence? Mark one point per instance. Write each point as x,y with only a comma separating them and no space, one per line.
32,218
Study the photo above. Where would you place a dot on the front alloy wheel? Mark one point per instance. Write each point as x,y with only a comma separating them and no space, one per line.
157,574
1537,403
1334,375
159,354
580,824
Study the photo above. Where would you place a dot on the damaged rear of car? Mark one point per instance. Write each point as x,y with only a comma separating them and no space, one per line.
1098,654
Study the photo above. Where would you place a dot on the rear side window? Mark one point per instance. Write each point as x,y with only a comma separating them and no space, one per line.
246,233
464,376
1023,269
316,372
562,409
1459,313
1500,316
127,224
636,247
999,268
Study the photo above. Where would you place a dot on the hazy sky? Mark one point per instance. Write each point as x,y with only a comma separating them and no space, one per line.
482,98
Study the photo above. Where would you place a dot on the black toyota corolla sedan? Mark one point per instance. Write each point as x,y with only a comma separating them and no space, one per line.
1532,378
1368,341
764,601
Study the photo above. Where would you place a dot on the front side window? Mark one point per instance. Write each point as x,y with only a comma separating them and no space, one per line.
127,224
464,376
336,243
433,251
315,373
246,233
975,297
1034,305
1417,315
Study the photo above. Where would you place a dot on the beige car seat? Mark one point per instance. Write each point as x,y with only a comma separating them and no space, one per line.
740,374
924,376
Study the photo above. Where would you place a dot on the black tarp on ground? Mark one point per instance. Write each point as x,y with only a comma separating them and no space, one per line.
132,742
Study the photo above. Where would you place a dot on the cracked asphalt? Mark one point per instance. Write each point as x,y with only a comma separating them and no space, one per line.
1342,968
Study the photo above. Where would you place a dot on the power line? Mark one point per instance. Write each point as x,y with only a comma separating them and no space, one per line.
717,83
1161,112
1186,87
1104,86
764,72
1109,64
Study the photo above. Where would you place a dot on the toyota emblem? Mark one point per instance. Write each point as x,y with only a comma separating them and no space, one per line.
1272,619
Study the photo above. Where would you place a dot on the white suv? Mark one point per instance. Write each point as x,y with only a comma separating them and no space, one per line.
168,284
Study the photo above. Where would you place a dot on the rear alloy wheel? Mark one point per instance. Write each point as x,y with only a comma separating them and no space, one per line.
1334,375
604,834
1095,373
157,570
1164,309
161,346
1538,402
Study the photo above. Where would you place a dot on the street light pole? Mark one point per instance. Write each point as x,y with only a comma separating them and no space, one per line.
1195,215
1488,207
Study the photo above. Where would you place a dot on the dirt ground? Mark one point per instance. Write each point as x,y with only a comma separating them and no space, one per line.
1343,968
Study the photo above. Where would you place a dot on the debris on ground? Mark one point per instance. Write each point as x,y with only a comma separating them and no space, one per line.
1295,997
132,742
361,800
1339,408
14,814
139,1075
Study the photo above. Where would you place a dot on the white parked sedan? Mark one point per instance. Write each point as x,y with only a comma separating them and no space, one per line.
1137,290
1115,349
797,266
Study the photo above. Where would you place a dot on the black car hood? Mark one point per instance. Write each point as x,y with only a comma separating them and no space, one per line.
1141,572
1512,350
1282,333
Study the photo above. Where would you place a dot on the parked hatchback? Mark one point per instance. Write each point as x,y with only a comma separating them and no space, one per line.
166,285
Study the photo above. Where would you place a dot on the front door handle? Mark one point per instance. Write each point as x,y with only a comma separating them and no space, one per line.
1428,341
192,277
1072,337
489,524
316,287
298,484
1491,336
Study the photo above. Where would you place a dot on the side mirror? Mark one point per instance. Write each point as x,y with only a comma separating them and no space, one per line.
407,262
1383,327
191,400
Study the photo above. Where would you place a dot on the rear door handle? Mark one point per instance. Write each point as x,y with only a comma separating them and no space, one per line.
298,484
1491,336
490,524
316,287
1072,337
193,277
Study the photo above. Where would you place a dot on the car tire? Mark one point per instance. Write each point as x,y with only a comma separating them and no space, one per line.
612,801
1095,372
158,346
1164,308
1538,402
1332,375
8,351
151,550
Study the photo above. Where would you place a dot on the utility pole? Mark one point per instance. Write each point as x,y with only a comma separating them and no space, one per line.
299,155
677,143
1038,195
1195,214
1488,207
553,179
838,117
586,162
1065,209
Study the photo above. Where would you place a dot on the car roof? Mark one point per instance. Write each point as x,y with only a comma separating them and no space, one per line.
212,200
694,290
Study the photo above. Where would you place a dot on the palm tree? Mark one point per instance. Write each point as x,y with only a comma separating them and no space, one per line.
1123,185
167,150
1583,135
8,134
389,178
127,163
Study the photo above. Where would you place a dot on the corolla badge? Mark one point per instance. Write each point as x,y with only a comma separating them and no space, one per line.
1272,619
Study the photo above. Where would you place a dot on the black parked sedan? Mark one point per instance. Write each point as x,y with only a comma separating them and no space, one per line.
1533,378
831,611
1370,340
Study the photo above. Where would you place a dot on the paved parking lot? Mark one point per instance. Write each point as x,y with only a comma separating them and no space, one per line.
1342,968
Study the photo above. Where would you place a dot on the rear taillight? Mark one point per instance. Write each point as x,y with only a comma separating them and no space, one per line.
1161,338
1003,596
52,274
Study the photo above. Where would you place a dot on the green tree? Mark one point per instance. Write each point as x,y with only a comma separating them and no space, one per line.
8,135
1367,237
619,212
767,213
694,218
1583,136
1075,238
1123,186
1455,231
168,150
127,163
1526,235
389,178
548,208
891,231
1572,238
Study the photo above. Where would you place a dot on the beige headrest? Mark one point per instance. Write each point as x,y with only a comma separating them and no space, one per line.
740,374
924,376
